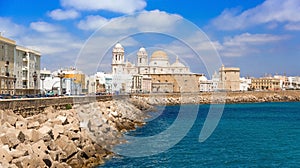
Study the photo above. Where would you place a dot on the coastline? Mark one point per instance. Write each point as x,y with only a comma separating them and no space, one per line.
220,97
85,135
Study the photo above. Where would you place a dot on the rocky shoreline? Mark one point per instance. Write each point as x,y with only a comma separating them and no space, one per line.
79,137
221,97
85,135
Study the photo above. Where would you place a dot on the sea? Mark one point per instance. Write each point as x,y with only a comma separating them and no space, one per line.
247,135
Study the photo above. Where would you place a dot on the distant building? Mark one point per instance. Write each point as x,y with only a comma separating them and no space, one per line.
245,84
229,79
27,67
20,68
293,82
7,58
100,83
265,83
157,76
205,85
71,80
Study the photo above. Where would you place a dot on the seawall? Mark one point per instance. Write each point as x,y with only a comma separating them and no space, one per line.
220,97
79,137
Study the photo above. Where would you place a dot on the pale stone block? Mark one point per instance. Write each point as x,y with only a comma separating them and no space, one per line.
5,156
40,145
70,149
10,139
25,147
62,141
36,135
72,135
24,161
33,124
17,153
45,130
89,150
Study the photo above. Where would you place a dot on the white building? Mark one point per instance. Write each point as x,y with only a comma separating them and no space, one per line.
27,70
71,80
245,84
100,83
205,84
123,72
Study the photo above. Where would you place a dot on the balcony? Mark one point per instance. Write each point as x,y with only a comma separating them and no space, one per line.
24,78
25,59
24,68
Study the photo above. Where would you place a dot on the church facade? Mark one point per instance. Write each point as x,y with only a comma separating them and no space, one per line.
150,75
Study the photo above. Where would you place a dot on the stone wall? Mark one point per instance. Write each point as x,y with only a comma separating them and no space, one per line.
30,106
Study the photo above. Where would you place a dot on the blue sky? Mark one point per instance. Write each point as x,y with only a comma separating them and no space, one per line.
259,36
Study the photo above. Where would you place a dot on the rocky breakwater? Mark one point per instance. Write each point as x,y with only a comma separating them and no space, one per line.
222,97
79,137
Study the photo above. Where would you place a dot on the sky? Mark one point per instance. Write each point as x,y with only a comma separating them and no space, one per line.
259,36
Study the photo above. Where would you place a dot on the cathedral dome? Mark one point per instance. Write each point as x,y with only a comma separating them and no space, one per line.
159,55
177,63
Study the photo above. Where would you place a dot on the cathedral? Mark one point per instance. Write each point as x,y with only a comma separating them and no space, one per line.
150,75
159,63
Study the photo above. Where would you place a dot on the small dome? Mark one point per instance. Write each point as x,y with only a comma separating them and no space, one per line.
159,55
202,78
118,45
128,64
118,48
142,49
177,63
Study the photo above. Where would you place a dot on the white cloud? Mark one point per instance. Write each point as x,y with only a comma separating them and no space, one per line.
269,11
59,14
10,29
92,22
144,21
158,19
293,26
120,6
246,43
44,27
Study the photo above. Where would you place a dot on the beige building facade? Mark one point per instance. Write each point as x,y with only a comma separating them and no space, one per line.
266,83
20,68
175,83
27,71
7,52
229,78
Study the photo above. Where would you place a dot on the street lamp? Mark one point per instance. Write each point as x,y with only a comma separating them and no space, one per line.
93,89
15,80
34,79
7,75
61,75
75,85
42,78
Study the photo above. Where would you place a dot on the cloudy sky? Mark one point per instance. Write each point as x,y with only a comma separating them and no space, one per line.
259,36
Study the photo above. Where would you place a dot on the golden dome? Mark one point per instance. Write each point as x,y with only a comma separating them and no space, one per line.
159,55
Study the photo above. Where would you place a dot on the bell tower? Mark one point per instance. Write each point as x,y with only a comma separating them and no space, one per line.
142,57
118,60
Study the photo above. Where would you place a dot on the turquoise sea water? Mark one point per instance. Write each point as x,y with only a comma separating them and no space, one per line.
248,135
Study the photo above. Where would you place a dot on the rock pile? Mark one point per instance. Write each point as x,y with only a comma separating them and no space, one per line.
246,97
80,137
